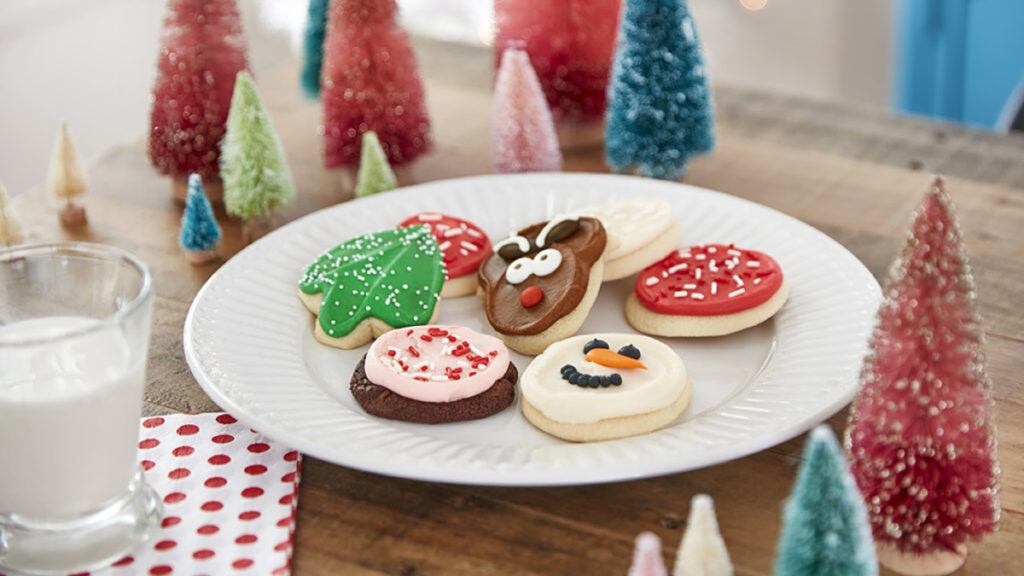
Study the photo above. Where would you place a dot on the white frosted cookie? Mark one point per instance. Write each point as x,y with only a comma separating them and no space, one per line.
642,230
708,290
604,386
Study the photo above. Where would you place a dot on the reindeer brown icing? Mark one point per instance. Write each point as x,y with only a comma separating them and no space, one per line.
540,274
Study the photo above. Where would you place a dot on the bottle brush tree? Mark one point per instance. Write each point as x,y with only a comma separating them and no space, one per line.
825,525
375,174
313,47
702,551
659,108
371,82
253,165
66,179
920,436
202,49
199,230
10,226
647,560
524,137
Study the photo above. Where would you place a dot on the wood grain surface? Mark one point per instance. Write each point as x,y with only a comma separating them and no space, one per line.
856,174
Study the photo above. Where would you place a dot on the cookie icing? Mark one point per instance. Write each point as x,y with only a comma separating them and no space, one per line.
393,275
657,385
463,244
635,222
436,363
560,269
708,280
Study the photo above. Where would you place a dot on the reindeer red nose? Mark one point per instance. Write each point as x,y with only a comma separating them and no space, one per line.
531,296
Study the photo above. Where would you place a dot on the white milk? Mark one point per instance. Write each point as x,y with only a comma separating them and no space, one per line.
69,419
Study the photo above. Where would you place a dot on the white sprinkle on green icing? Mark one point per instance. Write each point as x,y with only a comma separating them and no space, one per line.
381,267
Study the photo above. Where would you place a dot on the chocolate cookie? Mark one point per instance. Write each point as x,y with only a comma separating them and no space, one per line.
382,402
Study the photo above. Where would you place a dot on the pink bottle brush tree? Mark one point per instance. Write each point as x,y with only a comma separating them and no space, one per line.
202,49
524,136
920,438
371,82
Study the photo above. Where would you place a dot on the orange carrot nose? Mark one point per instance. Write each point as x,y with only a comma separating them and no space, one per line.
606,357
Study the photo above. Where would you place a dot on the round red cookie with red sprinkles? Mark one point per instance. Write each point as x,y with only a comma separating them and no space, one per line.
707,290
463,246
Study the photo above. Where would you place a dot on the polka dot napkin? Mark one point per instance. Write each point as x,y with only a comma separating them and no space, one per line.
229,499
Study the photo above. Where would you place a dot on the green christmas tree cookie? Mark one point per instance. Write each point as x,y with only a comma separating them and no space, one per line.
374,283
375,174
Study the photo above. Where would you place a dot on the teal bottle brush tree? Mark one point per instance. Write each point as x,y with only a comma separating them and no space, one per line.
825,527
313,47
252,162
375,174
199,230
659,109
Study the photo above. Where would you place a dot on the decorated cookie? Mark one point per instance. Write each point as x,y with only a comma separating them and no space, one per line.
373,283
604,386
707,290
434,374
642,230
539,284
463,247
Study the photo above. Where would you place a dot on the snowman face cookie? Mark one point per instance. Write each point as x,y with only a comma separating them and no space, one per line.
540,274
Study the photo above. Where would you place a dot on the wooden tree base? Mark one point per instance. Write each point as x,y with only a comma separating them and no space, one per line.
73,216
580,137
933,564
214,190
200,257
253,230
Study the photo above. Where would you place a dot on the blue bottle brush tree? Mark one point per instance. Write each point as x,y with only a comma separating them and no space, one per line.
200,232
313,47
659,107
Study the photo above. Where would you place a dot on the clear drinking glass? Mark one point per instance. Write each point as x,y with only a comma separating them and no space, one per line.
74,330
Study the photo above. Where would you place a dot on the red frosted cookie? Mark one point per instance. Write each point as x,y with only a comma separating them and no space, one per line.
463,245
707,290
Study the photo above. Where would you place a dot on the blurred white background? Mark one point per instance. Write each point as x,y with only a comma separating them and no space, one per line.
92,62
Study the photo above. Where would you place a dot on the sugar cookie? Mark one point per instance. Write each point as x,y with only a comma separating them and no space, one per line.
644,229
463,247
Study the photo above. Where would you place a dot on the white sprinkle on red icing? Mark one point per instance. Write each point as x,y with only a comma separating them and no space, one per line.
463,257
652,281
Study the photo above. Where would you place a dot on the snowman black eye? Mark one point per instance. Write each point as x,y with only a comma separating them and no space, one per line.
595,343
630,351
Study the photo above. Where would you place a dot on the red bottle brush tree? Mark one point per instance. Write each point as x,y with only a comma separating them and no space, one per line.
920,439
371,82
203,48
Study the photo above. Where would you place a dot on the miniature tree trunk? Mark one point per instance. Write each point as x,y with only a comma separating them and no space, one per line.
523,136
203,48
371,82
920,435
66,179
10,227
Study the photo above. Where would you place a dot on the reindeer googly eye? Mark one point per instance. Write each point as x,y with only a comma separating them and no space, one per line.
519,270
546,262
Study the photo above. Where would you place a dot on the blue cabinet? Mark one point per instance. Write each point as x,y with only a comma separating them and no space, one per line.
961,60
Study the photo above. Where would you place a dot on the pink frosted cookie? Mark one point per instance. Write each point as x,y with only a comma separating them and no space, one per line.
435,374
463,247
707,290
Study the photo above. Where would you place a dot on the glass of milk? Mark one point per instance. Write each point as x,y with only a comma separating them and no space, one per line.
74,330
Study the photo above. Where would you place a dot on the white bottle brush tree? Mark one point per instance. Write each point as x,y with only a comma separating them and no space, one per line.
66,180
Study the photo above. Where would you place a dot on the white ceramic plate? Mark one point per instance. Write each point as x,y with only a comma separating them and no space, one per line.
249,342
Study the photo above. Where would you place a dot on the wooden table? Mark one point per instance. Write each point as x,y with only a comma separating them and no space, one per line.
854,173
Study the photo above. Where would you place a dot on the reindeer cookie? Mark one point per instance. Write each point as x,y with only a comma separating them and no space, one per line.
540,283
604,386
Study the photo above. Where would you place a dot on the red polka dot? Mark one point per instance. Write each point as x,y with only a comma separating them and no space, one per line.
252,492
187,430
282,546
284,522
165,545
203,554
219,459
160,570
280,571
291,456
242,563
79,574
286,500
124,561
289,477
152,422
215,482
246,539
183,451
255,469
170,521
249,515
174,497
148,443
211,506
226,419
207,529
147,465
223,438
179,473
258,447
